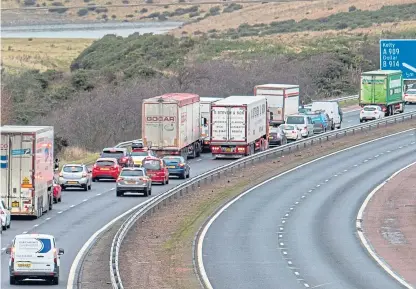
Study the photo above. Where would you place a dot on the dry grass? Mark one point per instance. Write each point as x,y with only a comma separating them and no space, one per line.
42,54
77,155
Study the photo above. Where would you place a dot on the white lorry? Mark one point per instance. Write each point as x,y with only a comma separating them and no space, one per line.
205,104
171,124
27,169
239,126
333,110
282,99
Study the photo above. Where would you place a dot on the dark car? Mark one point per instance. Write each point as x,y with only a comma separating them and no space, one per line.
177,166
277,137
137,144
121,154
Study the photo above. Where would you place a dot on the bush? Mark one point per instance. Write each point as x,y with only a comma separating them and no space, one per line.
130,16
86,1
29,2
143,10
232,7
57,4
91,7
113,16
125,2
101,10
214,10
82,12
58,10
352,8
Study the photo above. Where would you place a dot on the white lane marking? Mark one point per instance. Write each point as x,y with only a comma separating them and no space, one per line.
47,219
289,262
281,229
36,225
205,229
283,221
366,243
198,160
60,212
318,186
286,215
284,253
310,191
282,244
297,203
297,273
99,194
388,151
71,206
303,196
291,209
326,181
74,266
365,161
355,165
280,236
306,285
84,200
335,175
320,285
112,189
3,248
376,156
345,170
400,147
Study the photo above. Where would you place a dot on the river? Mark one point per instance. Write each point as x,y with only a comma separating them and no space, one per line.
93,30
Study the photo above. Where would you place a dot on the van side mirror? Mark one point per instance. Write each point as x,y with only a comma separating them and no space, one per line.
9,251
61,251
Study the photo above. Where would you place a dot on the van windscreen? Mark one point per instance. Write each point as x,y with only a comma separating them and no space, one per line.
33,245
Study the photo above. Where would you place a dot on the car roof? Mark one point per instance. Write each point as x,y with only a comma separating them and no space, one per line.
31,236
107,159
302,115
134,169
371,105
73,165
113,148
152,158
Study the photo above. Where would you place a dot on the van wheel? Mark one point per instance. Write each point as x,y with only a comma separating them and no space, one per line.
12,280
55,281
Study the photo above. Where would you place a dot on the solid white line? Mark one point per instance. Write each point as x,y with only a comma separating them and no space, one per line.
84,200
200,264
74,266
60,212
71,206
36,225
363,239
47,219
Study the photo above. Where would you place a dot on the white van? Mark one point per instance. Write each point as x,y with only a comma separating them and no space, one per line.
34,256
332,109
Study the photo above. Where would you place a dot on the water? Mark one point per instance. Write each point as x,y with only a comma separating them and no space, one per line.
93,30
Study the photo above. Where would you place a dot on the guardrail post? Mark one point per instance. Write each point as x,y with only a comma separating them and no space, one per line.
345,133
297,147
353,131
180,193
304,145
311,142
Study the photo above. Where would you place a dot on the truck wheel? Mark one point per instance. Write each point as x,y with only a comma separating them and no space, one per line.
252,149
194,151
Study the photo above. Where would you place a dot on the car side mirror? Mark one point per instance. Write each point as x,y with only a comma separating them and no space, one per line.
9,251
61,251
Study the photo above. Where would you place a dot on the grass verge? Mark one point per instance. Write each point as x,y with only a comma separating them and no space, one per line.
37,53
159,248
77,155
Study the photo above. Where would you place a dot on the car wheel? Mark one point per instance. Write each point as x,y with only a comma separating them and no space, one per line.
146,192
62,188
188,175
12,280
94,180
55,281
183,176
55,200
167,181
10,223
119,194
89,187
150,191
85,187
60,199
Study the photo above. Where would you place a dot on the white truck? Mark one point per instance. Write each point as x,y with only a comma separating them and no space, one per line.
239,126
27,169
283,100
205,104
333,110
171,124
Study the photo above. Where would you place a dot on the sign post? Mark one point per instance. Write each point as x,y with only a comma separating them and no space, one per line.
399,54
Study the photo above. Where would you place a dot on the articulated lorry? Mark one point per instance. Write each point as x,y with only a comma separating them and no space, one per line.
283,100
239,126
383,88
205,104
27,169
171,124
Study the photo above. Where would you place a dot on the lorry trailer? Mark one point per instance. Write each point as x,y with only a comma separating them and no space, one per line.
205,104
383,88
239,126
27,169
282,99
171,124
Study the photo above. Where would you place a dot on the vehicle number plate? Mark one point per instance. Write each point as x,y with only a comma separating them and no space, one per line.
171,167
131,182
105,169
228,149
72,182
15,204
24,265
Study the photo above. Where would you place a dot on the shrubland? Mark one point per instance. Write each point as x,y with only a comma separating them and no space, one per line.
96,100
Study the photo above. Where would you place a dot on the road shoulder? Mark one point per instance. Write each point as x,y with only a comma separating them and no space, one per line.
389,223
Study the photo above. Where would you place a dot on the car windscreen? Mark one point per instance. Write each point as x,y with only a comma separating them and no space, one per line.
132,173
105,163
369,108
116,155
33,245
151,165
139,154
72,169
295,120
288,127
173,160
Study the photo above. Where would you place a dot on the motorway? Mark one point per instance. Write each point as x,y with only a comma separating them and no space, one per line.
82,213
298,230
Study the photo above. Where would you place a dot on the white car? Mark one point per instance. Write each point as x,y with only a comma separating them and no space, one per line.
75,176
5,217
34,256
291,132
303,122
371,112
410,96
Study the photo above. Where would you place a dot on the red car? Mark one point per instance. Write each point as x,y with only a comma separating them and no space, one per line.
57,193
106,168
121,154
156,169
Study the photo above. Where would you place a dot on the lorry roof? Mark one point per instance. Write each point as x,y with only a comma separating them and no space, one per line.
275,85
239,100
23,128
210,99
174,96
382,72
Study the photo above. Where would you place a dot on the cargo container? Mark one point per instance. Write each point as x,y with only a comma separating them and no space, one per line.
239,126
205,104
171,124
282,99
27,169
383,88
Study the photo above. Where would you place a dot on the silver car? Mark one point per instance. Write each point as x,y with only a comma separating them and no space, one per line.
132,179
75,176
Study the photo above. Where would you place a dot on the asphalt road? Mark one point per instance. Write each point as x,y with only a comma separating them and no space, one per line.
82,213
298,231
